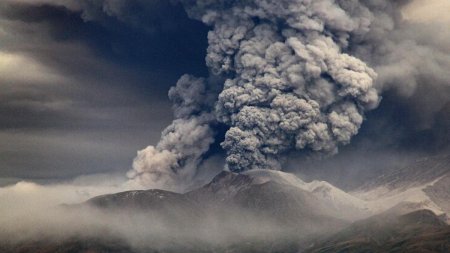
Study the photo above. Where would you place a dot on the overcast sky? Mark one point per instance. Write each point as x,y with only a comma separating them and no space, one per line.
82,89
82,96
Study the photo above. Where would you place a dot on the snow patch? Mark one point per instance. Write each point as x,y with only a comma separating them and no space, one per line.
353,205
347,206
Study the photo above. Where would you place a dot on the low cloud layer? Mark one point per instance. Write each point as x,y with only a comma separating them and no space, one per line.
38,215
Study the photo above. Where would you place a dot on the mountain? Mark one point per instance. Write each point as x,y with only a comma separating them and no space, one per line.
318,196
272,196
73,245
164,206
257,211
280,195
270,211
417,232
439,193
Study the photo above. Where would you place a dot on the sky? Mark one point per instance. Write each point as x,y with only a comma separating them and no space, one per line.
81,96
83,85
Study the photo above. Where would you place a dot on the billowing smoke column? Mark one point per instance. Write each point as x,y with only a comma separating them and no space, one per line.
291,83
176,157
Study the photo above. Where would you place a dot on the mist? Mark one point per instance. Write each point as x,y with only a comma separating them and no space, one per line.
34,215
334,90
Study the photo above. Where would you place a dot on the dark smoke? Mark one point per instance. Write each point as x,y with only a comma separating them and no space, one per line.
290,82
298,75
179,152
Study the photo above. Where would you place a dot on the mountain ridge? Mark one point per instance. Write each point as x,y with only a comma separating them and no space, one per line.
288,215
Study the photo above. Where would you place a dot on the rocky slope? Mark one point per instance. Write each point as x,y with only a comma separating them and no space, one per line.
272,211
257,212
417,232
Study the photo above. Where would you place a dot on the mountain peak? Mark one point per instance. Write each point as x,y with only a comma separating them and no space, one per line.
229,178
423,216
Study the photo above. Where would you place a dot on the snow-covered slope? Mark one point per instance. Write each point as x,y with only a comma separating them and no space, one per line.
343,204
408,189
424,184
408,196
381,198
417,174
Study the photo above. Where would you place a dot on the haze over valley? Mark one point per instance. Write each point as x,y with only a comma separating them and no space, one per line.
135,126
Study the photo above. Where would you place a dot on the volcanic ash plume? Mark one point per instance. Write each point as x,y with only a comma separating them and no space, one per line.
176,157
290,84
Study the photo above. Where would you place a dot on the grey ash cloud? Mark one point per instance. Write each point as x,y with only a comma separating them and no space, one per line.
184,142
300,75
271,80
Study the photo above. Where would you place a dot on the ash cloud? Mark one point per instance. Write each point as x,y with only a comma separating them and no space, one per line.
301,75
291,80
290,77
178,154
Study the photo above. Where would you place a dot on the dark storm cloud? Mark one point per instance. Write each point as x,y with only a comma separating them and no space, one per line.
174,42
413,119
413,62
79,93
301,75
394,135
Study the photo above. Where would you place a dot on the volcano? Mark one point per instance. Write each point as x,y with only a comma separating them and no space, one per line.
260,211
